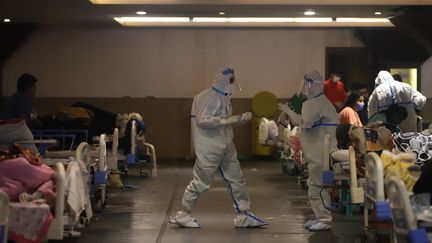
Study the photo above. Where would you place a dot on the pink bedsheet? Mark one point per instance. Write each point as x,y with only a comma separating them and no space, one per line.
18,176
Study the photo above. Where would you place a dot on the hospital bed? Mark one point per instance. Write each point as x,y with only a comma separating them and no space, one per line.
351,193
374,189
132,158
98,171
65,225
66,137
287,142
405,225
56,229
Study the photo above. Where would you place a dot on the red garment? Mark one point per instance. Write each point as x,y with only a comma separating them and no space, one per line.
335,92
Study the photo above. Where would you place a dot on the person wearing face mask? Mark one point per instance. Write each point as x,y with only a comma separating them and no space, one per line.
318,118
334,89
353,104
212,135
363,90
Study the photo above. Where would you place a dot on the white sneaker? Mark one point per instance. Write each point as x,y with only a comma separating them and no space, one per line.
311,222
320,226
185,220
248,220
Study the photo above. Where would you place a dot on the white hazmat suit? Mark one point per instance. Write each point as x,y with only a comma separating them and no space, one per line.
318,118
212,136
388,92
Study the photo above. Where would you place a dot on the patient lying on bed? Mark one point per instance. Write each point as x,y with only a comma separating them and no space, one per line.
24,178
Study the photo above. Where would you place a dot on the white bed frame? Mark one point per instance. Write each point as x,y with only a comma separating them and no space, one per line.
374,189
405,224
150,149
113,159
4,216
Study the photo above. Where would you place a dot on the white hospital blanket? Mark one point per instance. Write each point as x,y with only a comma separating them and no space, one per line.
77,189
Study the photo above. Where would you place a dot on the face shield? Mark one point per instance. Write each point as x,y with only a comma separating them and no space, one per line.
311,85
235,82
233,79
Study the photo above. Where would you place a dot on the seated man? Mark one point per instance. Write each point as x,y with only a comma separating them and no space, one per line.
19,105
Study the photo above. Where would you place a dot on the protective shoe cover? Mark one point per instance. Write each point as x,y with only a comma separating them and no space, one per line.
185,220
248,220
311,222
319,226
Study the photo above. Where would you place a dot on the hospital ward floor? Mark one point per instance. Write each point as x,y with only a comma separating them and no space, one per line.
141,215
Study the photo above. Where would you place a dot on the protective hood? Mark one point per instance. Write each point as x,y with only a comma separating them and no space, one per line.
222,82
312,84
383,77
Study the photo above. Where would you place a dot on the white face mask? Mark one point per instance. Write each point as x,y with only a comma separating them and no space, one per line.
336,79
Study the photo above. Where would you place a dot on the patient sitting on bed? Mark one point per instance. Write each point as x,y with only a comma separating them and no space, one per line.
347,135
24,178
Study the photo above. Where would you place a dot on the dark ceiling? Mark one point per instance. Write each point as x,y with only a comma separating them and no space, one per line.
84,13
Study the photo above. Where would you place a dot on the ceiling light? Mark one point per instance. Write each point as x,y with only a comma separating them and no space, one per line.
377,13
210,20
260,20
141,12
221,13
309,13
151,21
362,20
313,20
6,20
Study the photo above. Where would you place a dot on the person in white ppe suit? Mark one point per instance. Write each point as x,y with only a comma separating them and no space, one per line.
212,135
388,92
318,118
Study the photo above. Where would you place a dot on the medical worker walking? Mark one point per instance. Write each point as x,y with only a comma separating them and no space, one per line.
212,134
318,118
389,92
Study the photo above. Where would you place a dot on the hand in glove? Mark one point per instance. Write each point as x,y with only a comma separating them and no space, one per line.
231,120
245,117
285,108
237,119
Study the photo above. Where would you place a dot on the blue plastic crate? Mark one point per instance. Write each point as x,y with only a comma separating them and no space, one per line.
383,210
130,159
100,177
43,148
418,236
2,232
328,177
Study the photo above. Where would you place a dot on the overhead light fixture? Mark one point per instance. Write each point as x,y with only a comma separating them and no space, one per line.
150,21
309,13
313,20
377,13
362,20
221,13
209,20
6,20
260,20
141,12
242,20
251,22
